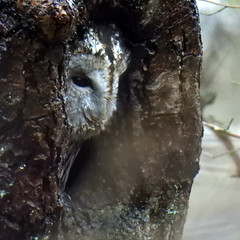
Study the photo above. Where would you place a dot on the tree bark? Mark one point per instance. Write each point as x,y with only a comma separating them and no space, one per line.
35,139
133,180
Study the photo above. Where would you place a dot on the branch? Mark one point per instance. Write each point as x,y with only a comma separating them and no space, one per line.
220,130
223,6
227,153
210,14
224,135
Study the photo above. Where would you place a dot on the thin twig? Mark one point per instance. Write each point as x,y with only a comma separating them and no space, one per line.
221,4
224,135
227,153
220,130
229,124
210,14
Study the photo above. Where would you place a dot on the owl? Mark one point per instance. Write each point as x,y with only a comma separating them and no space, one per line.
97,60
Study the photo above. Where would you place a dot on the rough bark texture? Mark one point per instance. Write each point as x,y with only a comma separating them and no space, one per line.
132,181
35,137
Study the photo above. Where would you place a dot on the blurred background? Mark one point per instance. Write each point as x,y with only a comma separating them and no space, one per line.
214,208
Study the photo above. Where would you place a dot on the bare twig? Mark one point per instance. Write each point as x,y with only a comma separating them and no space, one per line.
210,14
229,124
221,4
220,130
232,152
224,135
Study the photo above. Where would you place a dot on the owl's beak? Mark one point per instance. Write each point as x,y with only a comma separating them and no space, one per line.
97,115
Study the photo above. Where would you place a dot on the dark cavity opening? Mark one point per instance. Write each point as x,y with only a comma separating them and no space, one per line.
81,163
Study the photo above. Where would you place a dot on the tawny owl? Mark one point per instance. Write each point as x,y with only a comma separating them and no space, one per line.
96,62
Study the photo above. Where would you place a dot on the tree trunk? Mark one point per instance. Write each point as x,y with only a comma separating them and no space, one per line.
134,179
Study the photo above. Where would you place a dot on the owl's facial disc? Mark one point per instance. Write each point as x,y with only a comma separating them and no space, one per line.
92,84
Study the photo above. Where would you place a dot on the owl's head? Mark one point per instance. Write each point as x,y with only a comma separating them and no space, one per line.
96,62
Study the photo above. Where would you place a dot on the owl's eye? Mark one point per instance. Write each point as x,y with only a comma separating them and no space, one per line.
82,81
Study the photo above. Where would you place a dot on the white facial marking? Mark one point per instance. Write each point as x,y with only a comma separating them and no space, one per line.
92,81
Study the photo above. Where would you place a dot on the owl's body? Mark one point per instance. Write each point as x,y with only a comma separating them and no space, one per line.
96,63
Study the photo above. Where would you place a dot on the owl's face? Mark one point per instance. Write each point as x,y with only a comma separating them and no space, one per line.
94,68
